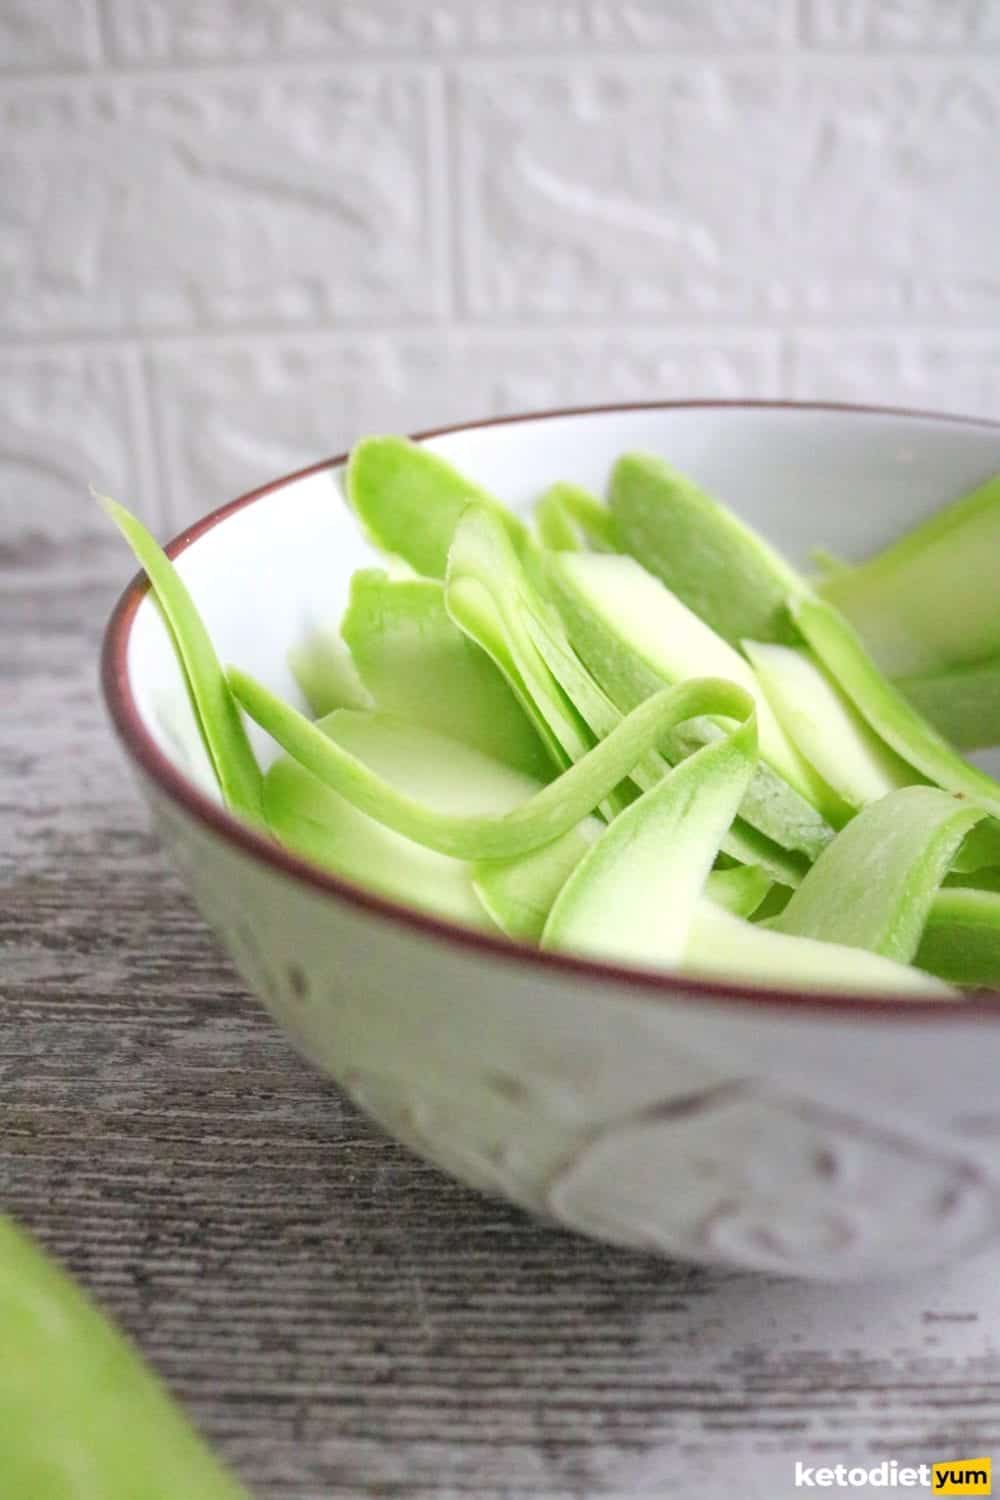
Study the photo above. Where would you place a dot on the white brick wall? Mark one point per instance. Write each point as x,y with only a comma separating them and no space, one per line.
235,234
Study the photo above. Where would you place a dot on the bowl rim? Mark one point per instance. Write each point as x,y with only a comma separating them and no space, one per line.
663,984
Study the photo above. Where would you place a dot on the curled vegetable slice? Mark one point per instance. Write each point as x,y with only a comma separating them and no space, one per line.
447,776
962,703
317,822
543,817
961,941
732,579
633,635
979,852
874,886
489,597
596,709
928,602
82,1416
326,676
416,663
215,710
410,501
633,895
722,946
739,890
568,518
742,841
825,726
895,720
518,893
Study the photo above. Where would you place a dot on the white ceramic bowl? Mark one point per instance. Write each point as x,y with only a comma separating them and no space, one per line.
813,1135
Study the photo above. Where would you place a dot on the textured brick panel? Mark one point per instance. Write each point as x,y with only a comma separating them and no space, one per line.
158,30
734,189
900,23
167,203
951,374
37,34
66,420
234,416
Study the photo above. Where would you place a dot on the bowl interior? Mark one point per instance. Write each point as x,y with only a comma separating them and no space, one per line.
274,569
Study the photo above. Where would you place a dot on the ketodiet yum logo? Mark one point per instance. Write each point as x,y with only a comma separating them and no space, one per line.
950,1476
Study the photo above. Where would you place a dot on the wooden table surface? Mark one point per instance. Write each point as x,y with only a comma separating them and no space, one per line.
339,1318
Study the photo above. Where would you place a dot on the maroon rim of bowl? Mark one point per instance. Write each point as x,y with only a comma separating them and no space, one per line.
151,760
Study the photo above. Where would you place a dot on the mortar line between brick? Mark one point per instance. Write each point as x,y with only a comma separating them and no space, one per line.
102,25
978,53
195,73
970,334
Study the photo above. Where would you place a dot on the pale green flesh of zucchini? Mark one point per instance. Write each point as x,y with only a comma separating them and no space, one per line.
893,719
740,890
555,526
519,893
319,824
440,772
961,940
594,706
491,597
568,518
543,817
632,895
718,567
410,501
962,704
216,712
874,886
742,842
722,947
669,640
81,1416
771,806
980,851
327,677
486,595
929,602
416,663
633,636
825,726
444,775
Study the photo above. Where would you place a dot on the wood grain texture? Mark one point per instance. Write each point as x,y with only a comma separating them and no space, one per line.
341,1319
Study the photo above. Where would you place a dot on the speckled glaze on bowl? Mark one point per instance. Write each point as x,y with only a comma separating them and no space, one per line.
812,1135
